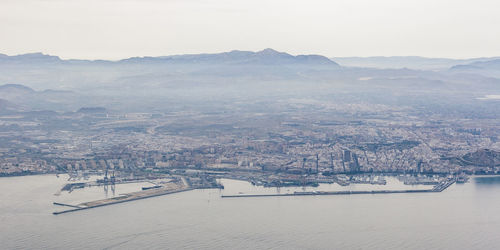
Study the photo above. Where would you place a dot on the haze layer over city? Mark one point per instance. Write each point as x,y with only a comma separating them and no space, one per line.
277,124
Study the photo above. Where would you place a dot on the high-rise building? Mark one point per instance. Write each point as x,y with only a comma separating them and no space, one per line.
347,156
331,162
317,163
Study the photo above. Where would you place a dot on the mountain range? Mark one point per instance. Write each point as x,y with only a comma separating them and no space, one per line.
268,57
235,57
489,68
39,82
410,62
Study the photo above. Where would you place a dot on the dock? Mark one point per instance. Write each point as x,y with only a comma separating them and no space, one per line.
65,205
438,188
169,188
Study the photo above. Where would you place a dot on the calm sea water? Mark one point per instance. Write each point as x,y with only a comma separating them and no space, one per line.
465,216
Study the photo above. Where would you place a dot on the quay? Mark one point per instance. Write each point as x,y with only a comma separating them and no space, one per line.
438,188
112,202
65,205
168,188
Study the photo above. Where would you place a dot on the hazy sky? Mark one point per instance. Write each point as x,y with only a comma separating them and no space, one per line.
113,29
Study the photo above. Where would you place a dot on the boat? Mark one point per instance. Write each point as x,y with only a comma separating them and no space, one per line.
462,179
153,187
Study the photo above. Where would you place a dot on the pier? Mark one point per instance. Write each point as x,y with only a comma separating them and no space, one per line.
113,201
66,205
168,188
438,188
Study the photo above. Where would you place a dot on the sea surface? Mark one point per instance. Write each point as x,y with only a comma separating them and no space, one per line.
465,216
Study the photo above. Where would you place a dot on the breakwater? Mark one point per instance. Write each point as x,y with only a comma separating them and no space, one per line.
438,188
117,200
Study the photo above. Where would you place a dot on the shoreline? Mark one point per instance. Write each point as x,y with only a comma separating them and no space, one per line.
28,173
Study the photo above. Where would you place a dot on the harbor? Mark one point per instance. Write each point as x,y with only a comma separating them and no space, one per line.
165,219
321,185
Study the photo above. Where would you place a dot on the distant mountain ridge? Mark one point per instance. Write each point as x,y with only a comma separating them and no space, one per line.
29,58
268,57
21,97
490,68
491,64
15,88
235,57
411,62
